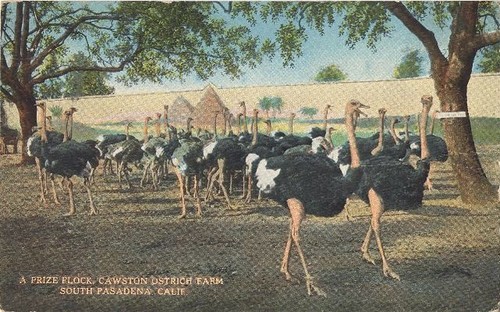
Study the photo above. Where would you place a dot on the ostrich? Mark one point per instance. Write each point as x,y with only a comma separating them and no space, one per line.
188,161
309,184
438,150
391,184
104,141
34,148
68,159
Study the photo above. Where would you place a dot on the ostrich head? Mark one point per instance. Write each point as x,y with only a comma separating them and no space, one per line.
242,104
147,119
426,101
382,111
158,115
355,106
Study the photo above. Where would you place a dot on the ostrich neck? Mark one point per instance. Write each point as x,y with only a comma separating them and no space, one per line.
269,128
351,136
407,132
424,148
393,133
145,131
432,123
70,135
188,125
66,125
380,145
290,125
215,125
325,119
229,127
43,131
239,124
245,125
224,127
127,133
158,127
255,130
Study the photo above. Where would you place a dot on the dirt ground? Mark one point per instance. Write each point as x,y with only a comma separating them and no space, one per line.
447,253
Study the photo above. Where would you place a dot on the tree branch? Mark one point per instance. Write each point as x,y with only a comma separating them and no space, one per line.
74,68
16,53
423,34
69,31
485,39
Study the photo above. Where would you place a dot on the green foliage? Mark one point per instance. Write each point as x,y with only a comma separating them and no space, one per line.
490,63
330,73
410,66
56,111
83,83
309,111
183,38
274,103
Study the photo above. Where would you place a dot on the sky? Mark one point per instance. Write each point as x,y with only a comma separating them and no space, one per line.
360,63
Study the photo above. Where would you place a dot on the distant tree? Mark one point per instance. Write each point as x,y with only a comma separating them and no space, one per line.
56,111
266,103
83,83
490,63
330,73
309,111
410,66
276,105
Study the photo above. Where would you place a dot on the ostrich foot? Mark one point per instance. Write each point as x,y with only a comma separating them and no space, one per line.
388,272
93,212
311,288
182,216
70,213
368,258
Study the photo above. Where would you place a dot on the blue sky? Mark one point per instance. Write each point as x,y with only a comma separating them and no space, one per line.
360,63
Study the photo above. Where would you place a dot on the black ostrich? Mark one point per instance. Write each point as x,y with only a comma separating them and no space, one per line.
438,150
34,148
188,161
309,184
256,152
106,140
69,159
392,184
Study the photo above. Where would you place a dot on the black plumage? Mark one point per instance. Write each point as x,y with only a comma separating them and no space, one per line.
308,184
391,184
315,180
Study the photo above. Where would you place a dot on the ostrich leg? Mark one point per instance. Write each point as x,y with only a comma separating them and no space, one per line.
181,187
377,209
297,214
197,195
41,178
54,193
221,163
93,210
71,199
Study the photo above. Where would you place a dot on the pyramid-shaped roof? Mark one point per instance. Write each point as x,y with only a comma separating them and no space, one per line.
180,111
204,113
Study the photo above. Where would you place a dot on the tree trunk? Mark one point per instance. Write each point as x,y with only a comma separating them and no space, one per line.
473,185
27,120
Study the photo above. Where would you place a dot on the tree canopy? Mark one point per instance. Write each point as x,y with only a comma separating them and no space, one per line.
330,73
309,111
490,62
410,66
